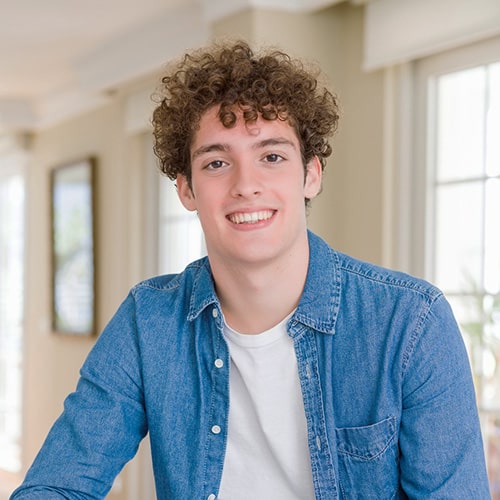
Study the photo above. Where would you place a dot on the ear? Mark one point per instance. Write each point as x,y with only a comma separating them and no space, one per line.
185,193
314,176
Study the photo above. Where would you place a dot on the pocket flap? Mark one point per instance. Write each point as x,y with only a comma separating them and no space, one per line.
368,441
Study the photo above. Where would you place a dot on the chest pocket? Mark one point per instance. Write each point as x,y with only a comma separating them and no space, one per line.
368,460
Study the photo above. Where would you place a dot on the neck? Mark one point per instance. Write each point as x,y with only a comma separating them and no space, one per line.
256,298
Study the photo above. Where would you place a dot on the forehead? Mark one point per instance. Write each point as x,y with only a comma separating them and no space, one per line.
211,130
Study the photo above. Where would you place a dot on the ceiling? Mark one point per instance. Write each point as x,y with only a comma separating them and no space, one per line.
58,57
41,42
55,54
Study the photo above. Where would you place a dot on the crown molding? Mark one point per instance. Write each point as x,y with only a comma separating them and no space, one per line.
214,10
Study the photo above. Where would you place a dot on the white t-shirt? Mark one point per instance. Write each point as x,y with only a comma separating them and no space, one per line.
267,454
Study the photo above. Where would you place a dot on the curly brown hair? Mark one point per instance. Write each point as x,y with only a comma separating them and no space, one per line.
270,84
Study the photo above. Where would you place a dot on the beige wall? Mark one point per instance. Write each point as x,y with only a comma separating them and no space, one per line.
347,214
52,361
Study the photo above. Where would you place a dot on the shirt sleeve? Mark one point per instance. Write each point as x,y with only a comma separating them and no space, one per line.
102,423
440,439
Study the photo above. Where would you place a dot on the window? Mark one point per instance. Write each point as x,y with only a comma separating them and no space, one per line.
174,236
180,236
465,228
462,223
11,314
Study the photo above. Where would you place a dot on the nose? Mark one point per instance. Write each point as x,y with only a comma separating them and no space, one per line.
246,182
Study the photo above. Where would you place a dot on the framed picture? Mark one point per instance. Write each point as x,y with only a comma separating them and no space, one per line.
73,248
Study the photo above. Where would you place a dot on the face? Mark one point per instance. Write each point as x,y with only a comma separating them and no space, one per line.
248,188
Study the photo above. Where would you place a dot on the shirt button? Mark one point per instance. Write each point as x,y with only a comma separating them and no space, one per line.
215,313
218,363
216,429
318,443
211,497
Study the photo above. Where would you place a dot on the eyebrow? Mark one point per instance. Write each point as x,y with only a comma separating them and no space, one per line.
273,141
209,148
222,147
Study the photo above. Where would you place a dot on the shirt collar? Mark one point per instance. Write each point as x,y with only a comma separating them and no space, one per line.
203,290
319,304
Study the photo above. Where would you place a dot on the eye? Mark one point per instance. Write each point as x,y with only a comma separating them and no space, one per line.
214,165
273,158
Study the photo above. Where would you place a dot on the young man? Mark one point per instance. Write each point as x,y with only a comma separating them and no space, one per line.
275,368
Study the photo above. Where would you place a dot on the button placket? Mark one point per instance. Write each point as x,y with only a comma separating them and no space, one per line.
218,411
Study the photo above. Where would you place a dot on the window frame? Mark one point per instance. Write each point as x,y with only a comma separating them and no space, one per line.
421,174
426,73
13,162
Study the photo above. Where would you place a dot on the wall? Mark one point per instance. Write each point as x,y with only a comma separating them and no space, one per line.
347,214
52,361
332,37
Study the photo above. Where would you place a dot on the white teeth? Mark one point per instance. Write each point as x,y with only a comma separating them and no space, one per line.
250,218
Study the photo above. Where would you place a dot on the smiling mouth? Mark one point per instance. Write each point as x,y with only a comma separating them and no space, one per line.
250,217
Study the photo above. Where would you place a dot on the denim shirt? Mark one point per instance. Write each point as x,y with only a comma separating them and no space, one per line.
388,395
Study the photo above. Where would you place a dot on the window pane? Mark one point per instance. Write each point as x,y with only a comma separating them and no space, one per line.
490,425
492,237
491,354
493,153
181,242
180,236
460,133
479,319
468,311
11,316
170,204
458,237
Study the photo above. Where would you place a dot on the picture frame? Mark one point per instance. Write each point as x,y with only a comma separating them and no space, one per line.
73,248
